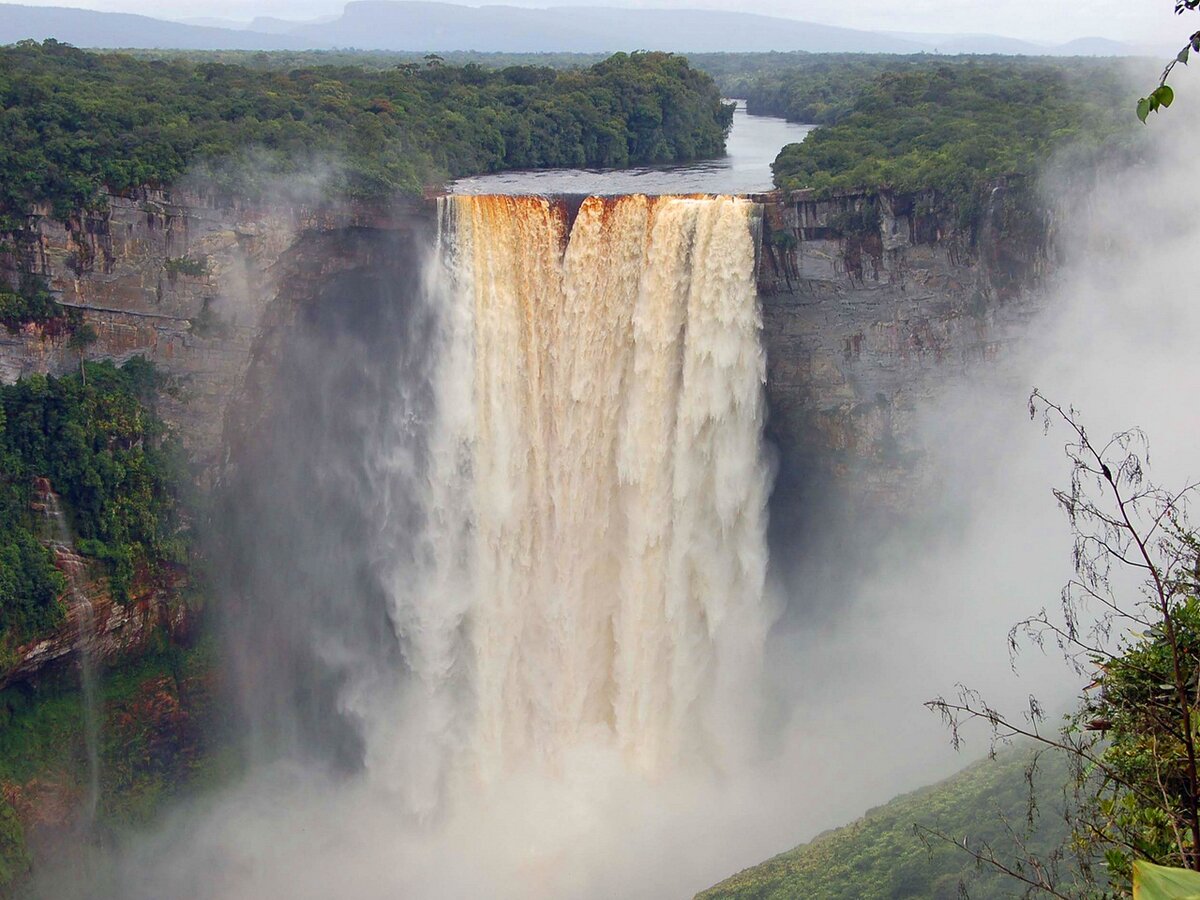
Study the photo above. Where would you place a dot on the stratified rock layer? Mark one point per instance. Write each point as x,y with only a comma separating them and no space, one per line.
861,328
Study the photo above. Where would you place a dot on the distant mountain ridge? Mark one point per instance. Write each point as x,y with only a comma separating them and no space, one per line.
429,26
990,43
88,28
378,24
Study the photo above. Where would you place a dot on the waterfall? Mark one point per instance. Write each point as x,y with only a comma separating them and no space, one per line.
493,560
85,623
593,551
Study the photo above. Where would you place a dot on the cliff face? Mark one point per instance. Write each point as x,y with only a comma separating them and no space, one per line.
180,279
866,309
197,287
114,629
872,306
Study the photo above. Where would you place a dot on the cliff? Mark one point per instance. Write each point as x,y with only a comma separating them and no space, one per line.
872,304
115,629
192,284
182,279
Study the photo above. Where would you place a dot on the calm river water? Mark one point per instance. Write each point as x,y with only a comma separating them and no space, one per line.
753,145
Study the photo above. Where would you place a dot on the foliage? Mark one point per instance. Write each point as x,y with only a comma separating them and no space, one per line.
947,128
1162,96
30,301
162,734
1145,803
29,583
105,453
73,122
1152,882
883,856
723,67
14,854
185,265
1132,744
286,60
816,89
82,337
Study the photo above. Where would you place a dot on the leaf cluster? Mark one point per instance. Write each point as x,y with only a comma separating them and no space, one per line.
30,301
1147,789
1163,96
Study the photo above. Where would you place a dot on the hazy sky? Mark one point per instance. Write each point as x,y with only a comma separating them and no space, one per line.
1136,21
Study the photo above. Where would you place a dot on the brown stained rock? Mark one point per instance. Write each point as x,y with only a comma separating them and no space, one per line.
160,726
121,629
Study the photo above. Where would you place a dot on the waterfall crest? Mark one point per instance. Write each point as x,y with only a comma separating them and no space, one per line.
594,538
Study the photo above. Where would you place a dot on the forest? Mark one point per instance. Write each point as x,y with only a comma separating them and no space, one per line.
74,123
104,450
918,124
882,856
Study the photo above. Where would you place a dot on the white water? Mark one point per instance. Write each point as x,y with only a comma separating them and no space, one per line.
567,514
592,567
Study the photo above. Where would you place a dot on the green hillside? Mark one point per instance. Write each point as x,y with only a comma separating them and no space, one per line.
882,855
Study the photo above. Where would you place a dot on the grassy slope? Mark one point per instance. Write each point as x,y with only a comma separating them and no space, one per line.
881,855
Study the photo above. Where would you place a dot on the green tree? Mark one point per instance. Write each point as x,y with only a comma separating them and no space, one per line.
1133,740
76,126
82,336
120,476
950,129
31,301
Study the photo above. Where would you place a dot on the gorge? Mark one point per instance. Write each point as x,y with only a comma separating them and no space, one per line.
550,532
579,387
857,330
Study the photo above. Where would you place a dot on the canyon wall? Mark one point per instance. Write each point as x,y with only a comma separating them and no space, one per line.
184,280
197,286
871,305
117,627
859,322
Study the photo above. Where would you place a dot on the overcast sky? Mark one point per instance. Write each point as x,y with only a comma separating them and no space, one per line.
1053,21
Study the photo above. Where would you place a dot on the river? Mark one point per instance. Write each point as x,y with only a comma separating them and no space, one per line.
753,144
